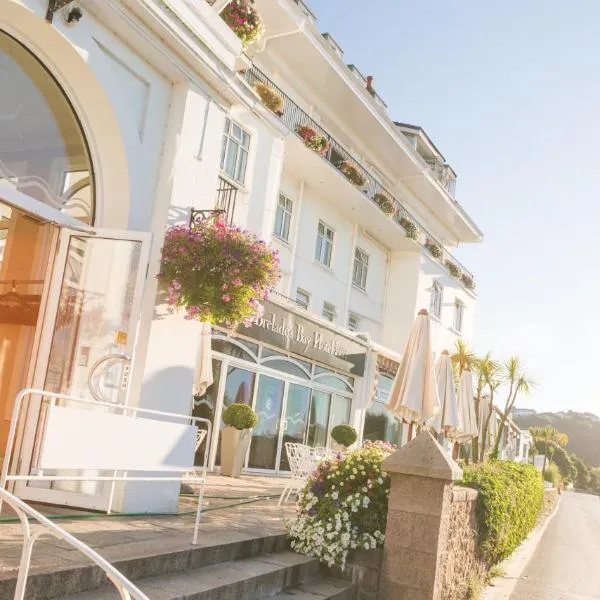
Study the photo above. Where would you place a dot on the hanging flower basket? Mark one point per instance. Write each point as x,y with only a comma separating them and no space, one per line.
244,20
434,249
468,281
411,229
217,273
352,173
269,97
312,139
385,203
454,269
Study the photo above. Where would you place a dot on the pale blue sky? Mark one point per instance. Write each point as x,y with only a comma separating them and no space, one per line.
510,93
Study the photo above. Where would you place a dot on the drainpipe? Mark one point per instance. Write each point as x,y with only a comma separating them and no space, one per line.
295,240
386,283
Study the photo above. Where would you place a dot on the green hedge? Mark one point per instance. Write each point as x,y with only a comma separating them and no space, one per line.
508,505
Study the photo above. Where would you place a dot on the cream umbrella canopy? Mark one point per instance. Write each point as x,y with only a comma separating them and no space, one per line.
203,374
447,419
414,393
466,409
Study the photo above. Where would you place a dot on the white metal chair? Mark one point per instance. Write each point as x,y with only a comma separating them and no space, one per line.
303,462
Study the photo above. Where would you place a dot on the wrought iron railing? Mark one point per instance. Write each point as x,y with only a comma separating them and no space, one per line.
294,117
34,525
226,198
283,298
443,174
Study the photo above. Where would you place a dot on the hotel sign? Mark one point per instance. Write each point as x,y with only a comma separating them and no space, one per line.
294,333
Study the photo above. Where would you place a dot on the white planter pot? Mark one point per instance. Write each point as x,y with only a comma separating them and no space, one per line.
234,446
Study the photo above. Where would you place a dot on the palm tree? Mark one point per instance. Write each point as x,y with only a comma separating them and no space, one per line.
551,438
462,358
489,373
518,383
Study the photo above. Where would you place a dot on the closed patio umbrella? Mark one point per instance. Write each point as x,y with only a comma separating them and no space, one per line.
466,409
203,375
447,419
414,393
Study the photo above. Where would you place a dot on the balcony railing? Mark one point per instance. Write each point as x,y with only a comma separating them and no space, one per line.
293,117
443,174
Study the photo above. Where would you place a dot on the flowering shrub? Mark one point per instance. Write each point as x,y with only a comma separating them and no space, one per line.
410,228
468,281
343,506
269,97
385,203
434,249
312,139
454,269
244,21
217,272
352,173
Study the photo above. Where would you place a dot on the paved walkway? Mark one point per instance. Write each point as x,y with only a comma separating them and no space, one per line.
566,563
233,512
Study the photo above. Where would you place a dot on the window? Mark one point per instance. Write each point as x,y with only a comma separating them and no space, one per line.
234,155
302,298
329,311
324,244
283,218
437,295
353,322
361,266
459,314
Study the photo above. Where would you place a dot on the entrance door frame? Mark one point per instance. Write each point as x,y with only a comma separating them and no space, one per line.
260,369
45,334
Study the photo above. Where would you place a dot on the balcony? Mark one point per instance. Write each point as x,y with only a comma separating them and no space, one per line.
293,117
443,174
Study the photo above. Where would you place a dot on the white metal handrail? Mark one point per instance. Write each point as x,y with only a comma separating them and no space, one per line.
126,589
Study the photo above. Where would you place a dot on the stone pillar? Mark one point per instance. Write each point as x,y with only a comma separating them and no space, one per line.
418,516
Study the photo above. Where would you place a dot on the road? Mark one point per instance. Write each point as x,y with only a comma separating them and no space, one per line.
566,563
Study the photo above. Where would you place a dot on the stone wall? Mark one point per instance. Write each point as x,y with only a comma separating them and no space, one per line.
363,569
550,500
460,562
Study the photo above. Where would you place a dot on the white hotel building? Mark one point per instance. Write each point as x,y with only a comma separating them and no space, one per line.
140,113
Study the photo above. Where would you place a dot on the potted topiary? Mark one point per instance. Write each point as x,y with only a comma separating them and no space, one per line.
269,97
312,139
352,173
409,227
344,436
239,420
385,203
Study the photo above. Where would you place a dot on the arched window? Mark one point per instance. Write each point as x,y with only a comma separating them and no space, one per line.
437,297
43,152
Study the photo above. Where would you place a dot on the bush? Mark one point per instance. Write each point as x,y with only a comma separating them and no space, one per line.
269,97
312,139
552,475
411,229
385,203
508,505
454,269
344,434
343,506
240,416
244,21
468,281
352,173
434,249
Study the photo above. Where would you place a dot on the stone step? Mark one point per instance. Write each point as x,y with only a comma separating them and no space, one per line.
245,579
320,589
139,560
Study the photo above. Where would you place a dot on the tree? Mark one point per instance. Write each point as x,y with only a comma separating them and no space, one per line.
551,439
594,484
488,371
518,383
563,461
582,480
462,358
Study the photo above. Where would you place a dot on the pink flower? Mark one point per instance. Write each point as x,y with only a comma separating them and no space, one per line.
236,281
225,298
225,286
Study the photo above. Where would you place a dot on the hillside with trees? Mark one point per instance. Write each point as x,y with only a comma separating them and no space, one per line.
582,429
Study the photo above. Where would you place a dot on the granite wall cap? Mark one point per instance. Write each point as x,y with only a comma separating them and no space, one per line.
423,457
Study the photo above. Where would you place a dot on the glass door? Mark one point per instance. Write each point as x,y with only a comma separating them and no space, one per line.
318,427
295,420
92,311
265,445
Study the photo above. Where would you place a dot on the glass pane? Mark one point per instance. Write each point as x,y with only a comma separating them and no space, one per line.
286,367
319,248
43,151
319,419
340,411
24,251
230,158
380,424
204,407
265,437
241,167
225,347
279,222
327,253
333,382
94,312
239,387
286,226
296,420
